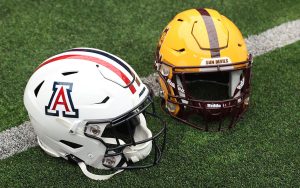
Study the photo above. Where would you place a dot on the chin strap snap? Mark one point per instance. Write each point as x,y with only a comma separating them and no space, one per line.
82,166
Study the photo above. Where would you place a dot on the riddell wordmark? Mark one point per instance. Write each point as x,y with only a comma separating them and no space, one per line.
61,100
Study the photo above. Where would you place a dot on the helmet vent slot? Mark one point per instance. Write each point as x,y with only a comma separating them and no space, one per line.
104,100
71,144
69,73
37,89
180,50
180,20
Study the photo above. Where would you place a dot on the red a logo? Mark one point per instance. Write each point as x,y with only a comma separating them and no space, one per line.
61,100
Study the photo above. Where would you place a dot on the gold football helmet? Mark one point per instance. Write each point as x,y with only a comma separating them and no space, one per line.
204,70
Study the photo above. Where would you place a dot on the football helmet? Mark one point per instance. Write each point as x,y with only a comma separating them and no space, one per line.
204,70
90,107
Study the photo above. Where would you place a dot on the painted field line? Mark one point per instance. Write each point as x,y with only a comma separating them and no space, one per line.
22,137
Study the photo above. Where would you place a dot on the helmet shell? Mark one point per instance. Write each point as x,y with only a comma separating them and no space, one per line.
95,85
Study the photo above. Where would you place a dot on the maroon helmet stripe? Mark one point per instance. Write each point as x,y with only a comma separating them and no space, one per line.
212,33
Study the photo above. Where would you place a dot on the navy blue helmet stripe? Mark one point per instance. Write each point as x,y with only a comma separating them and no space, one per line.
104,54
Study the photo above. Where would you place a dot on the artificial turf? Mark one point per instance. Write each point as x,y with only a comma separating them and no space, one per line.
31,31
262,151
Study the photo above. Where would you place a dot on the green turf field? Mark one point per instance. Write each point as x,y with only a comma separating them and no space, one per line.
263,150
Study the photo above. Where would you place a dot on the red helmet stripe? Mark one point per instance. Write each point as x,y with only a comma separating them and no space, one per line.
96,60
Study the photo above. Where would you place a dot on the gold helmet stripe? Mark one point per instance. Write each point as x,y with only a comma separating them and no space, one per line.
212,33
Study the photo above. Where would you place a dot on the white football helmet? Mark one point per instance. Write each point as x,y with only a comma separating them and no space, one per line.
89,106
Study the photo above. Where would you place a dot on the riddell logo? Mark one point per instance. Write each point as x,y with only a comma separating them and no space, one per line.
61,100
212,105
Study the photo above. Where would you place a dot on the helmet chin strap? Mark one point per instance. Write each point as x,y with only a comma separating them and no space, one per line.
83,168
90,175
137,154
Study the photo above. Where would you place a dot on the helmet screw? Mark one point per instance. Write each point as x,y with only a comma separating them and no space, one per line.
109,161
90,155
95,129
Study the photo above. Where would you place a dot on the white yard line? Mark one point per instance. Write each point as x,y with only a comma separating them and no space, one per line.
276,37
16,140
22,137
